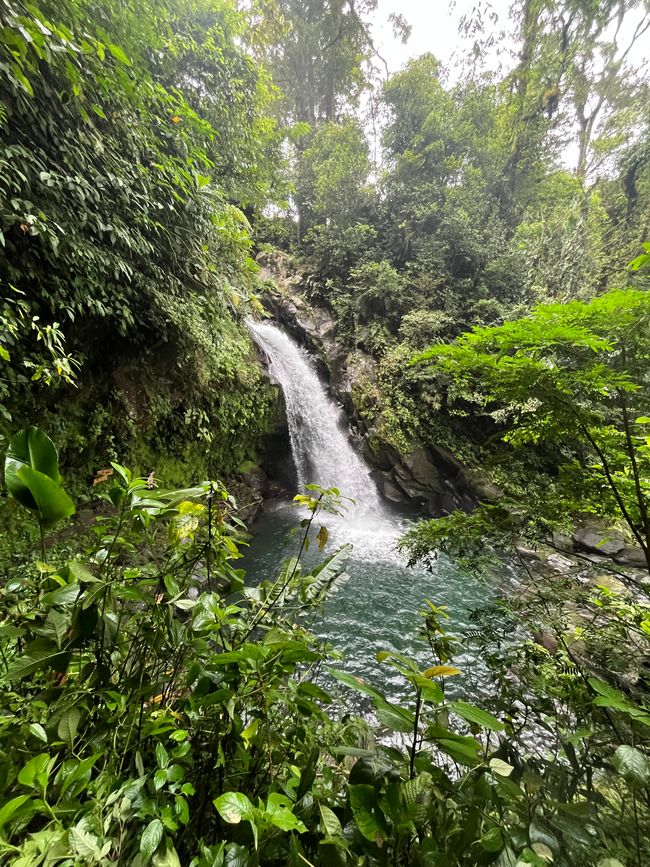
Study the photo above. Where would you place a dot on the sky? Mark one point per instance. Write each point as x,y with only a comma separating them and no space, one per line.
435,29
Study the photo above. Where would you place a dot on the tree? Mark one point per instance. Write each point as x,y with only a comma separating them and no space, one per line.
571,379
332,174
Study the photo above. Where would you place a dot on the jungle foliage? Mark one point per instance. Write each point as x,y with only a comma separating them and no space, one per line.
487,193
132,140
158,709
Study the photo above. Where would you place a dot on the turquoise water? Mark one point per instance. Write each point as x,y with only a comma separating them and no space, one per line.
378,608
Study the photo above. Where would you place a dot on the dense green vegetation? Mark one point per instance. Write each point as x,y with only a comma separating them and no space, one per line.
132,138
471,237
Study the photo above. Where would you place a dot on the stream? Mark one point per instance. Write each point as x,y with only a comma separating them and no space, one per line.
378,608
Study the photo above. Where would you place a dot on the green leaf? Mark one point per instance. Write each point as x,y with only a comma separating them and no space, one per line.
278,812
38,731
632,765
540,836
398,719
492,840
473,714
355,683
543,851
330,821
36,658
52,502
365,809
119,54
29,448
498,766
151,838
416,795
462,749
7,810
36,772
233,807
68,725
85,844
167,858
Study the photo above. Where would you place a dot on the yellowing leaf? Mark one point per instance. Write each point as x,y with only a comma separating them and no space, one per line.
498,766
543,851
322,538
442,671
176,119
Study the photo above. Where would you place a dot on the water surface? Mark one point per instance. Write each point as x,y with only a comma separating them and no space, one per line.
379,607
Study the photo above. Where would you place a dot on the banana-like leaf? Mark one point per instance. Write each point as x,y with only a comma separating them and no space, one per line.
32,476
30,448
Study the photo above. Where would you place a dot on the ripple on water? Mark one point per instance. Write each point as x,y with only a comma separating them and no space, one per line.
378,608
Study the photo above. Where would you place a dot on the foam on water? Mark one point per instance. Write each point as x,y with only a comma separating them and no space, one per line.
321,450
379,608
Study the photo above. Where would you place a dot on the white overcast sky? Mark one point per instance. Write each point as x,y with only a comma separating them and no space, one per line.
434,28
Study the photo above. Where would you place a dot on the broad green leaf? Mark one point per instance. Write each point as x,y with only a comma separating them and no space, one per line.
416,795
151,838
7,810
492,840
35,659
278,812
394,717
498,766
68,725
464,751
330,821
85,844
167,858
36,772
473,714
30,448
233,807
51,501
365,809
38,731
632,765
355,683
543,851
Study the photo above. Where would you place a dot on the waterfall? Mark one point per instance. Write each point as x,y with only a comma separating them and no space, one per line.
321,450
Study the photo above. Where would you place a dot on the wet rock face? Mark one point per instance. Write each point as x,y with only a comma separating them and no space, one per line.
277,462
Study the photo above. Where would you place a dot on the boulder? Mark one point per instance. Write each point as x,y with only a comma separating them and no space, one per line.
596,539
526,552
387,487
423,470
562,541
479,484
631,555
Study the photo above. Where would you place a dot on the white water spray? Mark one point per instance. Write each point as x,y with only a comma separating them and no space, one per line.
321,450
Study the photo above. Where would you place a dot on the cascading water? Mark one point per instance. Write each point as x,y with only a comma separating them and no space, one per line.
321,450
378,608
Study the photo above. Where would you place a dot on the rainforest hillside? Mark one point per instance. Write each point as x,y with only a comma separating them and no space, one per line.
464,249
